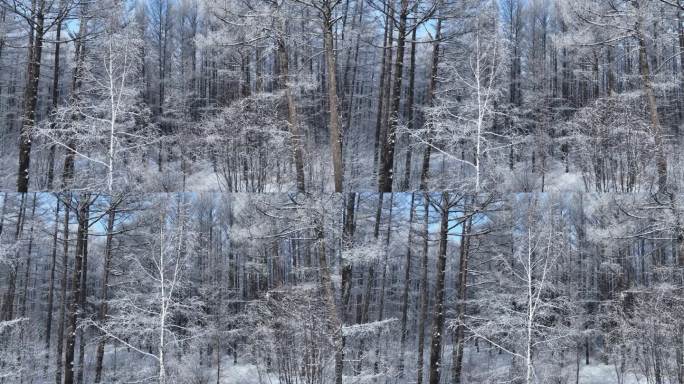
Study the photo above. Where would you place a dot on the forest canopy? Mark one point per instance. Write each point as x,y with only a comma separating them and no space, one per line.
361,287
341,95
341,191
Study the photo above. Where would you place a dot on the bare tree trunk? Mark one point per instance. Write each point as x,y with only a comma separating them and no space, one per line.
679,356
334,122
381,87
3,18
438,312
63,291
462,285
348,237
680,26
332,319
102,314
381,311
409,110
661,161
425,172
28,258
387,159
292,120
83,295
51,290
384,261
370,279
68,170
2,213
405,294
76,289
162,30
8,300
55,102
679,244
31,94
424,302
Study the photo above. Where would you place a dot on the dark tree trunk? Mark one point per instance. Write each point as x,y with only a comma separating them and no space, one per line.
68,170
462,285
63,291
405,294
102,314
8,300
28,258
51,289
387,159
55,102
422,320
680,29
292,118
76,289
348,238
438,312
425,171
334,324
383,282
334,118
644,69
31,94
83,295
381,88
409,111
2,213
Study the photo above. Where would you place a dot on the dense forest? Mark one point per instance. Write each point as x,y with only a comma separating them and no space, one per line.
342,191
358,288
304,95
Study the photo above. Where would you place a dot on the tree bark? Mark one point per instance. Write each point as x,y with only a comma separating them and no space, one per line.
76,289
423,290
332,319
348,238
102,314
409,110
644,69
31,94
462,285
55,100
2,213
83,294
405,294
68,170
381,310
28,258
384,261
334,122
292,119
51,290
387,159
63,291
384,78
8,300
370,280
680,28
438,312
425,172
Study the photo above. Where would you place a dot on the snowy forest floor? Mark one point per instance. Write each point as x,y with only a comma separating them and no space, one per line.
594,373
477,365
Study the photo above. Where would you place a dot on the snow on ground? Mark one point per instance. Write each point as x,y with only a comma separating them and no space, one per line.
248,374
203,178
243,373
605,374
564,182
